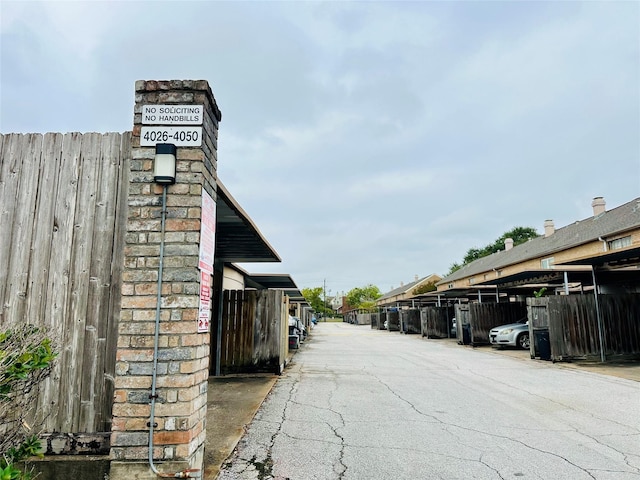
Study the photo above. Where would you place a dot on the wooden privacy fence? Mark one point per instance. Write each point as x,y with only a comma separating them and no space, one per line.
578,326
485,316
254,331
475,320
410,321
393,321
436,322
62,214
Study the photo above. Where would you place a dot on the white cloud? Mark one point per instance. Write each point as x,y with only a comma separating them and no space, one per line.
369,141
391,182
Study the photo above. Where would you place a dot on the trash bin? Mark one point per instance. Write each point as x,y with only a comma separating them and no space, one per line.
542,344
466,334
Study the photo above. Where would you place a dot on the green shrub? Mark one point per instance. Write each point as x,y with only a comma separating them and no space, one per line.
26,358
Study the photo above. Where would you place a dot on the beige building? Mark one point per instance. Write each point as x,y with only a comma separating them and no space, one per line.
603,250
404,293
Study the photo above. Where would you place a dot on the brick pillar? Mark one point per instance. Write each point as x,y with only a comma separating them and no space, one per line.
183,356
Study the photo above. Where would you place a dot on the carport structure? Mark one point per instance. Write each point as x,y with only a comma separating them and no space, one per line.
238,240
591,269
607,242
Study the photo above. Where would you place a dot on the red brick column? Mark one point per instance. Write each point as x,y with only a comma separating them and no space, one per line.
183,353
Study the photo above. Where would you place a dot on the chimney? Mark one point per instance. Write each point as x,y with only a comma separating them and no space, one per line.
416,278
598,205
402,284
508,244
549,228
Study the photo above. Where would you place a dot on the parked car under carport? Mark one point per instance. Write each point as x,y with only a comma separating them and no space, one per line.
511,335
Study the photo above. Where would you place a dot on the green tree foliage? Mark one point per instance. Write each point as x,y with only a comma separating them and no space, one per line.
424,288
26,356
363,297
518,234
315,297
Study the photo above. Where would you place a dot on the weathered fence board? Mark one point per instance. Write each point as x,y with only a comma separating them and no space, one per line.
21,230
116,268
41,273
248,340
61,248
462,321
268,333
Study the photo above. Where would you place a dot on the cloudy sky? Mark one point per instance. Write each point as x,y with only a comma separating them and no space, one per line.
369,141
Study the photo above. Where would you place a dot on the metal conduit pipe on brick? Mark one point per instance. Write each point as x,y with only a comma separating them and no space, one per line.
188,473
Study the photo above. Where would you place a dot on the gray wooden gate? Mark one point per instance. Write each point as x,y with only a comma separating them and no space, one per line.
436,322
485,316
578,327
254,331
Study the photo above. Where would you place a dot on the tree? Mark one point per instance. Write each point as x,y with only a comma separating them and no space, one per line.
314,297
517,234
425,288
363,297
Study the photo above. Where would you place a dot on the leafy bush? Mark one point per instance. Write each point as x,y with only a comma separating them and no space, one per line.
26,357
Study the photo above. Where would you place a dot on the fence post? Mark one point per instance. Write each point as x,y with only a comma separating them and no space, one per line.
183,353
598,316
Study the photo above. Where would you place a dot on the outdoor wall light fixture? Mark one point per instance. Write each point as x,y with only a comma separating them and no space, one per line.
164,165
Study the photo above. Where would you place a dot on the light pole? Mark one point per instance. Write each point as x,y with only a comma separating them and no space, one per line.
324,302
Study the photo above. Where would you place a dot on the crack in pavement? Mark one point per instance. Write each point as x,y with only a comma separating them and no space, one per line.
596,439
341,468
264,464
547,399
448,425
290,397
480,460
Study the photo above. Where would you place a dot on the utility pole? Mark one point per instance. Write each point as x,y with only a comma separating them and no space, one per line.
324,294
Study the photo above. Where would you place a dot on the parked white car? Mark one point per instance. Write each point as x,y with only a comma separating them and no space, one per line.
511,335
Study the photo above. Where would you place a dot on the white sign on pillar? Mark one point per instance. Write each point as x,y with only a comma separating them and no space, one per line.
207,252
172,114
163,115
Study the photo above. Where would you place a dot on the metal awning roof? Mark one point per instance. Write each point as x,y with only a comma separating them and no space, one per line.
237,237
276,281
612,259
539,277
555,277
280,281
